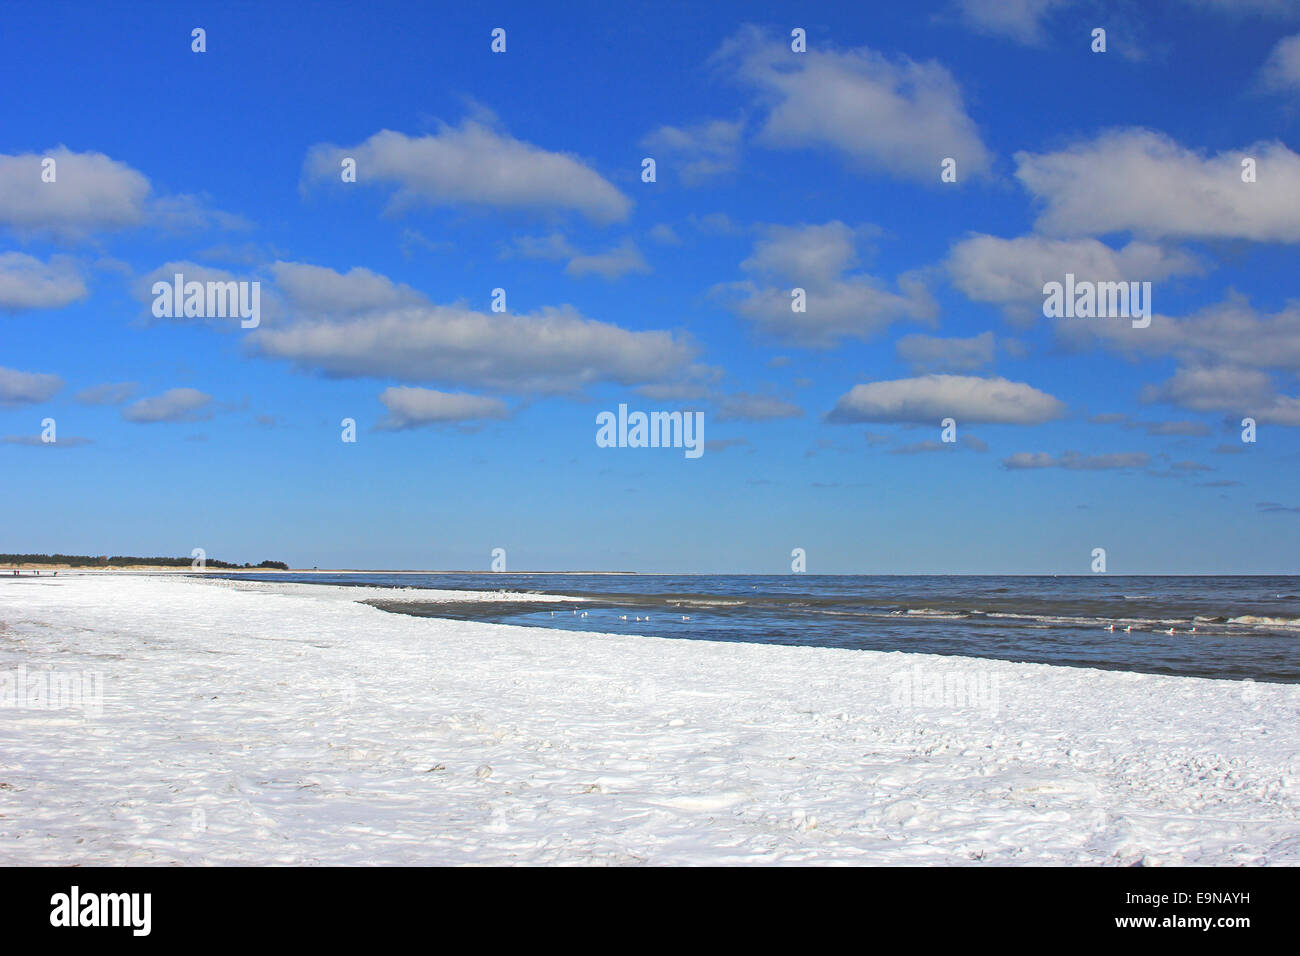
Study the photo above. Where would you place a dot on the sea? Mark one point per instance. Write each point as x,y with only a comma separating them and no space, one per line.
1237,627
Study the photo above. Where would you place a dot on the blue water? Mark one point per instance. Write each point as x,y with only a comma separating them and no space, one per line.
1245,627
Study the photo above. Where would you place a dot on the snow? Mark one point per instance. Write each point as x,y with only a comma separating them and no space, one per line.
278,723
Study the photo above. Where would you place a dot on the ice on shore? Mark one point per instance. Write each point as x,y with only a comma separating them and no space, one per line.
280,723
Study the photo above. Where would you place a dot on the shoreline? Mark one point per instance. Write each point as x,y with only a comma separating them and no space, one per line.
160,569
272,722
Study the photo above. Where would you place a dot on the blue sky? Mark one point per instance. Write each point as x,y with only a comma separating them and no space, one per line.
774,170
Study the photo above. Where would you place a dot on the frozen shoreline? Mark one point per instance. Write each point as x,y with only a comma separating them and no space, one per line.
247,722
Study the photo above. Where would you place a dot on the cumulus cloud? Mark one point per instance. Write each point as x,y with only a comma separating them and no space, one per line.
746,407
28,283
928,399
475,164
928,353
174,405
1011,273
317,289
110,394
1277,8
1230,332
617,262
613,264
412,407
1179,428
187,212
1019,20
697,153
1074,461
369,326
1142,181
91,192
890,114
142,288
664,234
1281,71
27,388
839,304
1240,391
1209,389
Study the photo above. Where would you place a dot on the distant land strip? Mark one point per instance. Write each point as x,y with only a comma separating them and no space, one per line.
119,561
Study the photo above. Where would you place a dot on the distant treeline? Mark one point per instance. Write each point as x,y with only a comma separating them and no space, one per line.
119,561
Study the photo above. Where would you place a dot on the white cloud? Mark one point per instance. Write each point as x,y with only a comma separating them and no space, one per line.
746,407
838,305
142,289
175,405
613,264
664,234
1281,8
811,254
1019,20
1227,388
928,353
551,246
929,399
1281,71
1230,332
1011,272
1073,461
697,152
881,113
112,394
27,388
316,289
187,212
617,262
28,283
1142,181
91,192
412,407
473,163
360,324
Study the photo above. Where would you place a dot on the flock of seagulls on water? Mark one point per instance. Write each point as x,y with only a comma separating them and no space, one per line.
1126,628
623,617
1129,627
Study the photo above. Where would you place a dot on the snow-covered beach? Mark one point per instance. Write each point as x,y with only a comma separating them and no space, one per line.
260,723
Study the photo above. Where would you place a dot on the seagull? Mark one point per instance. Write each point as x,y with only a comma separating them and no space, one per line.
1127,628
624,618
1110,627
1170,631
685,618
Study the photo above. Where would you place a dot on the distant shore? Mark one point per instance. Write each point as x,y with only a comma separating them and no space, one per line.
163,569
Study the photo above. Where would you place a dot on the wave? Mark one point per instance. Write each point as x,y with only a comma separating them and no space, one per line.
1255,620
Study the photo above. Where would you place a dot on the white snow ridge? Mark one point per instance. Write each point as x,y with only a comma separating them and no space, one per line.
288,724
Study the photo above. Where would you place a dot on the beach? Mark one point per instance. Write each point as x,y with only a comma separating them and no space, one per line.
278,723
